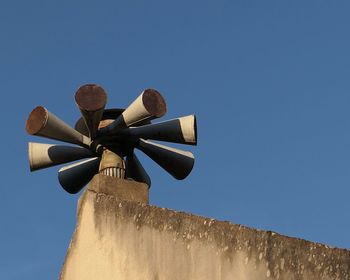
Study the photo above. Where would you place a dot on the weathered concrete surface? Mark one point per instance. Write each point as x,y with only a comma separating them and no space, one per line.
128,240
122,189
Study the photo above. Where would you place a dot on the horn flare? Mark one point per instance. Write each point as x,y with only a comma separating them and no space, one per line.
75,176
181,130
148,105
135,170
47,155
43,123
177,162
91,100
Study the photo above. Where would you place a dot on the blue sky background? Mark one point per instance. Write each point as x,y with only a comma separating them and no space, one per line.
268,81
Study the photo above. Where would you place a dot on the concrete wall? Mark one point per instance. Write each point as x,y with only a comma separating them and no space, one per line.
117,239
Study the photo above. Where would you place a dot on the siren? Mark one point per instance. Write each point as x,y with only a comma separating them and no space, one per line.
47,155
106,136
91,100
43,123
181,130
135,170
148,105
176,162
75,176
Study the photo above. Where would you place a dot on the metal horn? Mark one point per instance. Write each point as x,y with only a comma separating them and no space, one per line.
135,170
47,155
181,130
75,176
150,104
81,127
43,123
91,100
177,162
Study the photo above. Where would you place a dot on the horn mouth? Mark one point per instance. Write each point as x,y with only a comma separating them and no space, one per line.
91,97
177,163
195,130
154,102
37,120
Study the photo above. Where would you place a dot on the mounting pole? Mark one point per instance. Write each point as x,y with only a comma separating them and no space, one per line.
112,164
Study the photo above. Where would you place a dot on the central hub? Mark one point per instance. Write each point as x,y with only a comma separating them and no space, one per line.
112,163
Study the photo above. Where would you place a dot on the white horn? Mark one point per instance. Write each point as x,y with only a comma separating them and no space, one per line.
43,123
75,176
177,162
181,130
47,155
150,104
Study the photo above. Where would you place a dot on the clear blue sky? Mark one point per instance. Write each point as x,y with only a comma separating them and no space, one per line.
268,81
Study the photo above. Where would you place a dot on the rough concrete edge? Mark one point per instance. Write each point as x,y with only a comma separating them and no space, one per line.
297,255
223,233
206,220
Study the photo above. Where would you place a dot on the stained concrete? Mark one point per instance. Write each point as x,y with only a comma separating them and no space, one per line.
122,189
118,239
